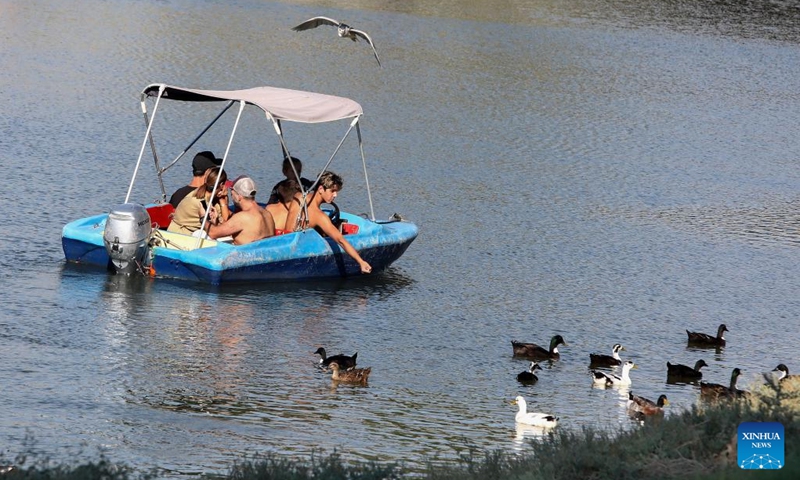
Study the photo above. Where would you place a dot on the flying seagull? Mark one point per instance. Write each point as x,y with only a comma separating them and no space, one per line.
344,30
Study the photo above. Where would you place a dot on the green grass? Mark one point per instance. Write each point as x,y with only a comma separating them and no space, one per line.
697,444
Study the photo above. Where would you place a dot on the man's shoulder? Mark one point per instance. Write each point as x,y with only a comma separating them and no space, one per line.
180,194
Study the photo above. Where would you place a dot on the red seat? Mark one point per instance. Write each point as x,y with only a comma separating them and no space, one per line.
161,215
349,229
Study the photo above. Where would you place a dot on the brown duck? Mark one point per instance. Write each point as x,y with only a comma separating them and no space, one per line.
646,406
357,376
714,391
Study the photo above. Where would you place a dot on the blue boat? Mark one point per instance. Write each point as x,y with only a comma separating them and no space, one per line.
132,238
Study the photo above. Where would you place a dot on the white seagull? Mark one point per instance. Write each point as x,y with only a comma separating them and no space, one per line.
344,30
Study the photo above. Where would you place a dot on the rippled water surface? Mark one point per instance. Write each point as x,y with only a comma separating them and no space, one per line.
613,171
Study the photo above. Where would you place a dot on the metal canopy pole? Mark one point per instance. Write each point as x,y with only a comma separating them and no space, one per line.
364,163
198,137
146,137
221,168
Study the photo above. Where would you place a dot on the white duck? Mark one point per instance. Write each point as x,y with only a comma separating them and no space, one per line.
533,418
609,379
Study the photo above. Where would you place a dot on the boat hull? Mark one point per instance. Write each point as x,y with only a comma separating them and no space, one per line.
295,256
302,255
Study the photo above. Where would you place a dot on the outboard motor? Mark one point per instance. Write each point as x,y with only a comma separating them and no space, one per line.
127,231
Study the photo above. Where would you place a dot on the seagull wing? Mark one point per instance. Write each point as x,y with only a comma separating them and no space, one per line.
315,22
365,36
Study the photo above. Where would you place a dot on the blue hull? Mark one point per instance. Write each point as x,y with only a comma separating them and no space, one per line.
295,256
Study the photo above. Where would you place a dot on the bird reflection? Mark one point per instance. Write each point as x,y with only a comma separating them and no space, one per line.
526,433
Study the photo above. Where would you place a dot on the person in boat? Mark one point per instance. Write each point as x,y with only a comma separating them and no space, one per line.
274,197
251,222
326,192
201,164
288,193
189,214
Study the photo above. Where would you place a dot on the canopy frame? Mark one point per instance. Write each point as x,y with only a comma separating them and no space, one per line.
277,104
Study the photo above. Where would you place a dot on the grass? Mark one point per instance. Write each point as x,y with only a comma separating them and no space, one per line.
698,444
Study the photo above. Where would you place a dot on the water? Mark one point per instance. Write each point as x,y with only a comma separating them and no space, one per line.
607,171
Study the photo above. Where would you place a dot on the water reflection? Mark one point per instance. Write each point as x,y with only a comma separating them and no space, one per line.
525,434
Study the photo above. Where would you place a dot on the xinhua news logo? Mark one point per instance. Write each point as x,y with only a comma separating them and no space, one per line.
760,446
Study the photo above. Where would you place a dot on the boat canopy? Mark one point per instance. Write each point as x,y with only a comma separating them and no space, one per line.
278,103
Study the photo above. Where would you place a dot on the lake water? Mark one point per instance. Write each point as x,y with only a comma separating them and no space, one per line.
612,171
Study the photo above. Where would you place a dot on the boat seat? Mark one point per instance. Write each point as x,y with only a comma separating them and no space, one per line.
161,215
349,228
178,241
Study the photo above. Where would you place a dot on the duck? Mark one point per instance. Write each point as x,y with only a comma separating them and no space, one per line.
715,391
354,375
683,371
608,379
645,406
696,338
345,362
613,360
536,419
535,352
527,376
783,373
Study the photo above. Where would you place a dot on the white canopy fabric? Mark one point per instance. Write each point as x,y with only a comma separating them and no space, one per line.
280,103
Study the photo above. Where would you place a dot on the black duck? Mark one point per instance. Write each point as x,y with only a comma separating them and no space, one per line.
535,352
345,362
704,339
613,360
528,376
686,372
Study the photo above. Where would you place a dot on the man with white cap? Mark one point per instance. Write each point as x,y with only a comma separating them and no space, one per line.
250,222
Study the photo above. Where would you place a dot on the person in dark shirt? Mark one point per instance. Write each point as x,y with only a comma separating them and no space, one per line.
289,174
201,163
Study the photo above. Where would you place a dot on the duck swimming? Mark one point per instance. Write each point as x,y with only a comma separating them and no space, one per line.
531,418
713,391
613,360
608,379
527,376
703,339
354,375
535,352
683,371
646,406
345,362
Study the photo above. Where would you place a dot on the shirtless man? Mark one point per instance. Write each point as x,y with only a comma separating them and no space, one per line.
288,192
326,192
250,222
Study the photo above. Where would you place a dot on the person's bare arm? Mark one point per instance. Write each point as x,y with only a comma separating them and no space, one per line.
231,227
324,223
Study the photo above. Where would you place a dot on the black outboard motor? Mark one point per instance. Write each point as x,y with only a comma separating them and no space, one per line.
127,231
